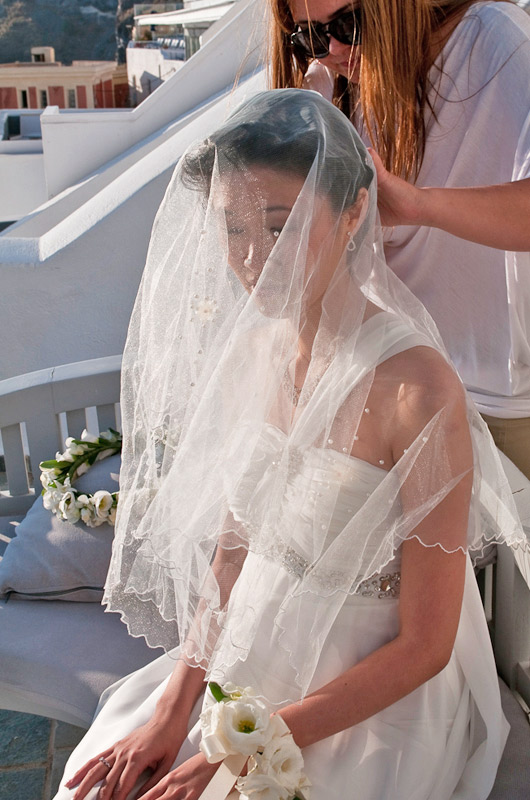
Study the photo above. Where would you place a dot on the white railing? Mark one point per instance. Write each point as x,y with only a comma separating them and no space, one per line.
40,409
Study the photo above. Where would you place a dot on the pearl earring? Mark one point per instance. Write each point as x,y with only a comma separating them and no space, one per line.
247,262
351,246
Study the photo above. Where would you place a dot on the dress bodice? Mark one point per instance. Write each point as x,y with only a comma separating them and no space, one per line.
322,484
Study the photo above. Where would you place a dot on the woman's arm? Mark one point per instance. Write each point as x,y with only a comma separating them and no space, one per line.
495,216
156,744
431,594
432,583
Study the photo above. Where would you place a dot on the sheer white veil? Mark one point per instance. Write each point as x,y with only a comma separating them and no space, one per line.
269,235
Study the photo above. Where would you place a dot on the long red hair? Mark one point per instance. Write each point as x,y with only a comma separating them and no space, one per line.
401,38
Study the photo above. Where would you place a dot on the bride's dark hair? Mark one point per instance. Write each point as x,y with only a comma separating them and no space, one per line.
278,141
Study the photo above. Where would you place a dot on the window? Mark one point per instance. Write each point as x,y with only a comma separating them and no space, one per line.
43,98
71,98
38,57
23,98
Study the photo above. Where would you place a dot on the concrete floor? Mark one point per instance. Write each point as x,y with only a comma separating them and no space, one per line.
33,752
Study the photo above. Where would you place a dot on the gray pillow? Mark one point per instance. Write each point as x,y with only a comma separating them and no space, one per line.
50,559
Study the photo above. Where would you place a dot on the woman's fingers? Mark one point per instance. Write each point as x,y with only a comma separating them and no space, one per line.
93,776
76,779
162,770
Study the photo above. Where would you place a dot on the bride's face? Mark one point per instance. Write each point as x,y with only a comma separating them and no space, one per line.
257,206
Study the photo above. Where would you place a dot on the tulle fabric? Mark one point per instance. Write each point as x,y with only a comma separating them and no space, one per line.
210,366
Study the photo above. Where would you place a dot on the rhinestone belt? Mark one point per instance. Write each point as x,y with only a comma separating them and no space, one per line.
382,585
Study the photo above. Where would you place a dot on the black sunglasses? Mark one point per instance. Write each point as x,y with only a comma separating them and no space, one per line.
314,40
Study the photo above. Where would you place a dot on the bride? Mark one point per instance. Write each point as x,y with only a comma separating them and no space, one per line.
303,477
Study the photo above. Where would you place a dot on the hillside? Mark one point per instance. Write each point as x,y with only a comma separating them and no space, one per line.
77,29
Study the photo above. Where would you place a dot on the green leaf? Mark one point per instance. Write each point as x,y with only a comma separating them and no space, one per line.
51,464
217,692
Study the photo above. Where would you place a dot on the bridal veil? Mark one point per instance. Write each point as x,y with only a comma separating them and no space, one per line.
239,260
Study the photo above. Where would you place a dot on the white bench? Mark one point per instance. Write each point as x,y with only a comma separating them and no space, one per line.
57,657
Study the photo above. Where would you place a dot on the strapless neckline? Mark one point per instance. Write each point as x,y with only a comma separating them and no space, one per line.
329,452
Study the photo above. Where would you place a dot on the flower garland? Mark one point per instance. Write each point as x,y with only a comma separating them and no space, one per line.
60,497
239,723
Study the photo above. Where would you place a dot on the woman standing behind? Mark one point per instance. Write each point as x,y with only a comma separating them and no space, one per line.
440,89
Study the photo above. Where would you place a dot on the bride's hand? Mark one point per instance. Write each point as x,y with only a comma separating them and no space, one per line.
153,746
186,782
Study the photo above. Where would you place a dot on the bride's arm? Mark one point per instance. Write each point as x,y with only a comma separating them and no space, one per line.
432,583
186,682
156,744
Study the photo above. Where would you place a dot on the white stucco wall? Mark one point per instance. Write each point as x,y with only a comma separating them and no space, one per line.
22,183
147,68
76,305
70,272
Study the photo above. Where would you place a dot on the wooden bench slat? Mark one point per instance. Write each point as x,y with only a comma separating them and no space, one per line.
15,460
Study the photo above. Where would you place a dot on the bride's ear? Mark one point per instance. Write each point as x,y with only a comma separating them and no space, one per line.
356,214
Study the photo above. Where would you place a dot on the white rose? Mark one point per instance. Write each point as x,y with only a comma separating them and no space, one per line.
259,786
68,507
239,726
102,501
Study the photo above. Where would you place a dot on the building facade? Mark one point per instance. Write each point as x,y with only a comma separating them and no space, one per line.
43,81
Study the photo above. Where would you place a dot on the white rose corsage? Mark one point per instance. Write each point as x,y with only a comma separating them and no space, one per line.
57,475
237,722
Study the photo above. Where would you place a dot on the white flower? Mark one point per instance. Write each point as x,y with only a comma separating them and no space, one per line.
47,477
87,437
93,521
87,514
102,501
68,507
73,448
239,726
104,454
259,786
205,309
82,468
111,519
66,456
282,757
237,692
51,499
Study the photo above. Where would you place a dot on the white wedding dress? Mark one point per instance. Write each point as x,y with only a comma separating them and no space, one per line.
442,741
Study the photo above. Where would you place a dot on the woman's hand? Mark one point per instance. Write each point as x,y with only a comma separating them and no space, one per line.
495,216
399,202
153,746
186,782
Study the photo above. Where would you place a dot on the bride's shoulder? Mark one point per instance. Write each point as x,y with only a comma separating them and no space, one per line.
424,382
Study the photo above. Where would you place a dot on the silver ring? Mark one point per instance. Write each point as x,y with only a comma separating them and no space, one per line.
104,761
